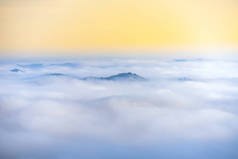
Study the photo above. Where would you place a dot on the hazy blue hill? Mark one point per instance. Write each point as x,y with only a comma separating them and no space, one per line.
32,66
16,70
65,65
48,75
180,60
119,77
188,60
55,74
125,76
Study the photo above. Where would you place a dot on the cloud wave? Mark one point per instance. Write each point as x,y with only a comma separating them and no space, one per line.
39,115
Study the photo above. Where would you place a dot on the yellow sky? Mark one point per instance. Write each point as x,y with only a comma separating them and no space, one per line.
71,25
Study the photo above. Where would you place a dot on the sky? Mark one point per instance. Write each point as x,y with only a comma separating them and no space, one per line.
63,26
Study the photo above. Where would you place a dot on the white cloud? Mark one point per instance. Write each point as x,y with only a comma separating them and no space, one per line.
48,110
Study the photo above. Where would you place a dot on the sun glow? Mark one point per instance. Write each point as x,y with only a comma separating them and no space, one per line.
62,25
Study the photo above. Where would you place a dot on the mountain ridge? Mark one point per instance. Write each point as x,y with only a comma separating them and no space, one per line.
118,77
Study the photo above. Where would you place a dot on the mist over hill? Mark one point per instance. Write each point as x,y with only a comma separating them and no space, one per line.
119,108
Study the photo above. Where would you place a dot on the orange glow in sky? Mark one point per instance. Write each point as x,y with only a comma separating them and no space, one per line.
71,25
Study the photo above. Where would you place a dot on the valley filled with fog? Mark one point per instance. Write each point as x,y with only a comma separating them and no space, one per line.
118,108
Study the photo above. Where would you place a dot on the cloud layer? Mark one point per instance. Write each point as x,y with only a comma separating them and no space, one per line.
185,104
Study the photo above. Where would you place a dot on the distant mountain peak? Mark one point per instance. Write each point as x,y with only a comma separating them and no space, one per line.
16,70
67,64
55,74
32,66
126,77
129,76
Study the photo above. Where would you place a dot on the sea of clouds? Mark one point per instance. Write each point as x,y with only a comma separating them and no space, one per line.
187,108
